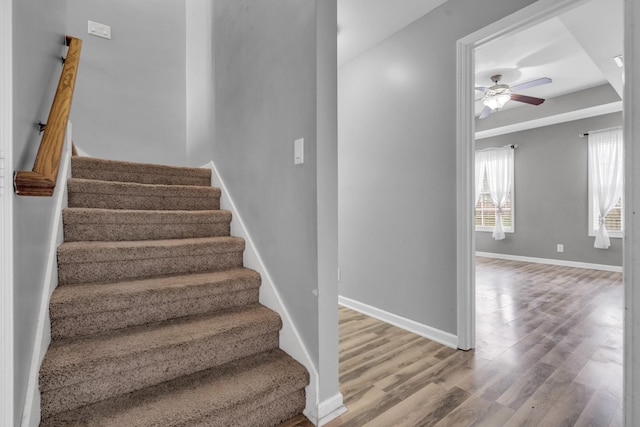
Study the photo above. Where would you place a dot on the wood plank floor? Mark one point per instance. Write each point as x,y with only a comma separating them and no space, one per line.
549,353
299,421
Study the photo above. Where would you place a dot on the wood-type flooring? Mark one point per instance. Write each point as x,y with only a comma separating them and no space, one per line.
549,353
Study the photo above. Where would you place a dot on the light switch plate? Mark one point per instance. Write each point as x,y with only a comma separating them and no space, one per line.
298,151
99,30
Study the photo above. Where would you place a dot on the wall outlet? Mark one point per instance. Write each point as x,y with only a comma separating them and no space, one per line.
560,247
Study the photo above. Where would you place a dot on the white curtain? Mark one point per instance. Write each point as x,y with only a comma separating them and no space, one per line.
480,168
499,167
605,176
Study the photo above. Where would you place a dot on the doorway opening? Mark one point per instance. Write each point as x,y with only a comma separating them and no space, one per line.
469,283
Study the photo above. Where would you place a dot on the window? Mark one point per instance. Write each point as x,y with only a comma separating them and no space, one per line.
606,186
613,221
494,191
486,211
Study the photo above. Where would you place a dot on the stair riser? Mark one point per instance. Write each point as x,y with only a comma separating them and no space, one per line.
128,232
112,271
72,389
140,312
141,202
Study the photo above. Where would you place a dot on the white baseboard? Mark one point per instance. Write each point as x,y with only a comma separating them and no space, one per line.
290,339
31,410
603,267
442,337
328,410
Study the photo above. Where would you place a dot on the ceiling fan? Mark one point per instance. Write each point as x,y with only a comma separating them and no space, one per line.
496,96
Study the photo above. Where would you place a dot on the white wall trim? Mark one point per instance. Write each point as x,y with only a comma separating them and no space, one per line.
6,215
290,339
328,410
437,335
465,147
465,167
599,110
549,261
31,412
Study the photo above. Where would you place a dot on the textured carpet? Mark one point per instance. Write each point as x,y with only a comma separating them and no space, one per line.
155,321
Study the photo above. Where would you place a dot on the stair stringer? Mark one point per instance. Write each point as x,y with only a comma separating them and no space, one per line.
290,339
31,408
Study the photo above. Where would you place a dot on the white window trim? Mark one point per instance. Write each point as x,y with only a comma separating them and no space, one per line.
485,229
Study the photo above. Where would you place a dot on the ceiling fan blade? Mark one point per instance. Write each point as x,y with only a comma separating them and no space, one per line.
527,99
481,88
485,113
532,83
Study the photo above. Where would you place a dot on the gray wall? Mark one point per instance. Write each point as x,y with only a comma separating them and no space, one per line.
130,101
265,83
551,203
397,165
200,82
38,33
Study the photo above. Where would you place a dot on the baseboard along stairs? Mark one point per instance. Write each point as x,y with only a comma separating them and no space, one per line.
155,321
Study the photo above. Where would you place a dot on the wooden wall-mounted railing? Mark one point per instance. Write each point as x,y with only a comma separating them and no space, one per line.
41,181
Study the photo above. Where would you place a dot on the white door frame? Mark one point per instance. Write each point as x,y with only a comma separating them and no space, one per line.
527,17
6,214
631,97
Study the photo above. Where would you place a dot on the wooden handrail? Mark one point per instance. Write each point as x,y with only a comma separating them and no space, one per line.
41,181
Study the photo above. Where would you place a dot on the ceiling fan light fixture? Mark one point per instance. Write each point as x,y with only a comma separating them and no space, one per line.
497,101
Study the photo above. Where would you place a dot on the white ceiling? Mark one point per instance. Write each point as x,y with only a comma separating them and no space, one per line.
524,57
575,49
363,24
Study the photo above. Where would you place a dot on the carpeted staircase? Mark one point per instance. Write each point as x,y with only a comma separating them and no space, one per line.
155,322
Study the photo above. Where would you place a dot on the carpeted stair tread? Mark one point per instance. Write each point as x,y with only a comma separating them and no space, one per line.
81,252
89,193
92,308
80,262
260,390
76,372
155,321
145,173
92,224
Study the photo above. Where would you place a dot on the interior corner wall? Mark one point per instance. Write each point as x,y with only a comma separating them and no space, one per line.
265,85
130,96
327,166
551,194
397,165
38,35
200,82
